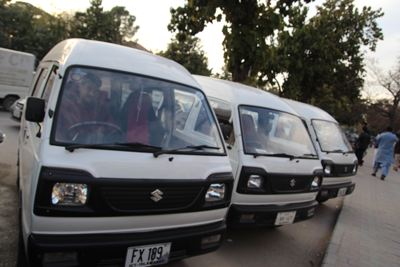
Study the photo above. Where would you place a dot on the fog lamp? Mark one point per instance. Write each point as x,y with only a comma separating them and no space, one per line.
246,218
215,192
310,212
211,239
315,183
67,194
328,169
59,257
255,181
324,192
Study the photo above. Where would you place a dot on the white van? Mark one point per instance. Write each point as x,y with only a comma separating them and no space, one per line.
121,161
16,73
337,156
277,171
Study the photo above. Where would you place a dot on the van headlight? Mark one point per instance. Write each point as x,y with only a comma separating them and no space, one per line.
315,183
255,181
355,169
68,194
328,169
216,192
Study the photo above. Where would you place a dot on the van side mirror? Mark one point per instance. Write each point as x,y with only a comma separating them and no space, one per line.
34,109
226,131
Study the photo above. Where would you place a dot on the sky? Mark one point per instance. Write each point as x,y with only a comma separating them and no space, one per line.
154,16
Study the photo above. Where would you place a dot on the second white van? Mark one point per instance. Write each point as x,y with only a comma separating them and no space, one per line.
277,171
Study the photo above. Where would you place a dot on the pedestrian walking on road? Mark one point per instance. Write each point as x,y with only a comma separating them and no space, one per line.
361,145
397,154
384,156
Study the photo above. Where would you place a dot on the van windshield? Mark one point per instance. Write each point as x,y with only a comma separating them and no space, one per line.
271,132
105,107
331,137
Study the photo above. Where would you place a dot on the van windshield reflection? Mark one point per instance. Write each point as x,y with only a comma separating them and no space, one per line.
330,137
276,134
101,107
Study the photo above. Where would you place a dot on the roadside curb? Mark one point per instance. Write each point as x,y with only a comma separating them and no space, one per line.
336,238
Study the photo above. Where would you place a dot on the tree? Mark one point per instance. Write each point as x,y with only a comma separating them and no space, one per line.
322,59
189,55
250,22
114,26
390,83
17,30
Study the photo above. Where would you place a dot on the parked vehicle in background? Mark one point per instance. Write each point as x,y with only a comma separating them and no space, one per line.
2,137
16,109
16,73
336,153
277,171
121,161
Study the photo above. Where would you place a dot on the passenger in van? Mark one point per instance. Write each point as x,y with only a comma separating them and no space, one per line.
137,118
83,108
251,138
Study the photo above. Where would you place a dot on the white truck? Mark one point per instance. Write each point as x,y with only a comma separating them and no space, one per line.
16,73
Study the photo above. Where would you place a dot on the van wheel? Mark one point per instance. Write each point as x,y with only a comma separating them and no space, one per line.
8,101
22,261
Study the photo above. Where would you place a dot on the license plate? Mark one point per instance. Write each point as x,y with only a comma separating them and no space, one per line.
17,113
149,255
342,192
285,218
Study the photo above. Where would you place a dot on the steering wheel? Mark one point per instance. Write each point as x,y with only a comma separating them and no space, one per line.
89,124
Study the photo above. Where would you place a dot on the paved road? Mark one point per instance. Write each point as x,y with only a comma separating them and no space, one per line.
300,244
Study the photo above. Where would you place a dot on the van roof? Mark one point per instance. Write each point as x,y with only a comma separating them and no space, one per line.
240,94
309,112
117,57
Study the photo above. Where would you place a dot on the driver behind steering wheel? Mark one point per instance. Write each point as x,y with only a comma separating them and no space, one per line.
84,108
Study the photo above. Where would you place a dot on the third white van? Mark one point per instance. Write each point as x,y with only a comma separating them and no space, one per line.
337,156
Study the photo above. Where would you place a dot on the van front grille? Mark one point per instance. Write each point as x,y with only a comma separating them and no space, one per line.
151,198
344,169
290,183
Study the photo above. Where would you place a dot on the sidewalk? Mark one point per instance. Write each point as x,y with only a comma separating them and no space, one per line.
367,232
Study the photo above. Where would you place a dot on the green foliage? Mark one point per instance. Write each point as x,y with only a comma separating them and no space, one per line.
249,23
115,26
189,55
26,28
322,59
17,30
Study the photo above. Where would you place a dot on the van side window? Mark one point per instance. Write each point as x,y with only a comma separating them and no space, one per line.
49,85
40,82
223,111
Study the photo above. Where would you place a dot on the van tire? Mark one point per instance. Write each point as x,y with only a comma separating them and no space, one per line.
8,101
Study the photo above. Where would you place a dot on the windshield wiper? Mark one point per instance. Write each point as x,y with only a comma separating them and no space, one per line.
71,148
281,155
137,144
337,151
310,155
158,153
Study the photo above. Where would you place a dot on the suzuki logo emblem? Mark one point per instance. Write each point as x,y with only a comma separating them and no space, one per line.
157,195
292,182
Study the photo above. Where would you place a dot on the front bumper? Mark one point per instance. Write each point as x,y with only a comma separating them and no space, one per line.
111,249
331,191
266,215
